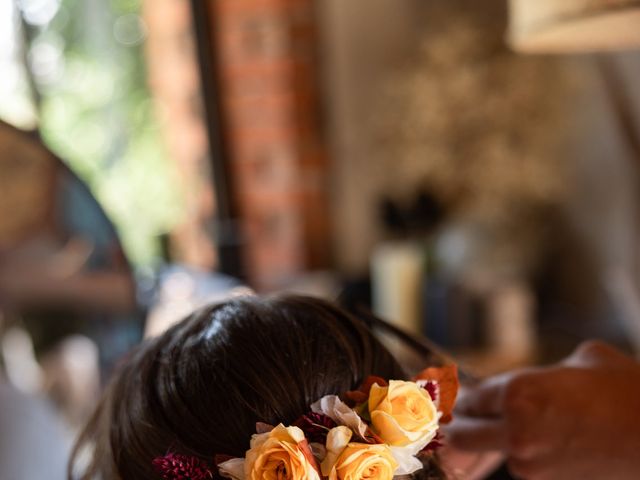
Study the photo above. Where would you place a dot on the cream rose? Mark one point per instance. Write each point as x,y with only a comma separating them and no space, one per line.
403,415
281,454
339,412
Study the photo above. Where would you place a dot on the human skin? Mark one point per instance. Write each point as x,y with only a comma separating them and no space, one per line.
574,420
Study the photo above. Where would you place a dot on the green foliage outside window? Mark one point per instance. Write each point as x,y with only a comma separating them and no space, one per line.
96,112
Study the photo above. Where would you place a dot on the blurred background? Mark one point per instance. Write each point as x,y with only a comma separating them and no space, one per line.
466,170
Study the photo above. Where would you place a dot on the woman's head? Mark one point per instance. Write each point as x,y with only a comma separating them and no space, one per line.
200,388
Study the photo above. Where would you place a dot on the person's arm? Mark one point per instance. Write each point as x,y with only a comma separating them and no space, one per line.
576,420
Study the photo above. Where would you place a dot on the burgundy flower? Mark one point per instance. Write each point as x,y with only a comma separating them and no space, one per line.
173,466
432,389
433,445
315,426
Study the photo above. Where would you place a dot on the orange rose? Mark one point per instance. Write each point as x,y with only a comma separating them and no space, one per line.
403,415
356,461
363,461
281,454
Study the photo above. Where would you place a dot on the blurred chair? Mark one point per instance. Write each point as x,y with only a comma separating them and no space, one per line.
68,306
62,268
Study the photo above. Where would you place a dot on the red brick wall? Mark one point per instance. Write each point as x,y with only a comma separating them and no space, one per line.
266,55
174,80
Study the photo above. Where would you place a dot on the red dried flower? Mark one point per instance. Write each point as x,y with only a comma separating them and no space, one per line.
361,395
173,466
315,426
432,388
433,445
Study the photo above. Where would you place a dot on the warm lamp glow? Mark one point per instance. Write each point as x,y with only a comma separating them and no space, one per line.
564,26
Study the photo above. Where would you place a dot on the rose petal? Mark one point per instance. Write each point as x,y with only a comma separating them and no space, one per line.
258,439
308,453
357,459
341,413
263,427
337,440
296,433
233,469
286,444
407,462
377,396
395,435
318,450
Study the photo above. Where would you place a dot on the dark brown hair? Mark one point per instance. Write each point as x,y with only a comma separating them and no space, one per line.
200,388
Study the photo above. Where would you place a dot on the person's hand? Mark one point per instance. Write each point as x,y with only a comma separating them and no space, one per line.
579,419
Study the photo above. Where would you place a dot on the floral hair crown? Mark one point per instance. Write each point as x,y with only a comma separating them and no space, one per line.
381,430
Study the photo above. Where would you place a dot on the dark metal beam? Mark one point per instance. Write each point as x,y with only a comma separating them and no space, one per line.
226,236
